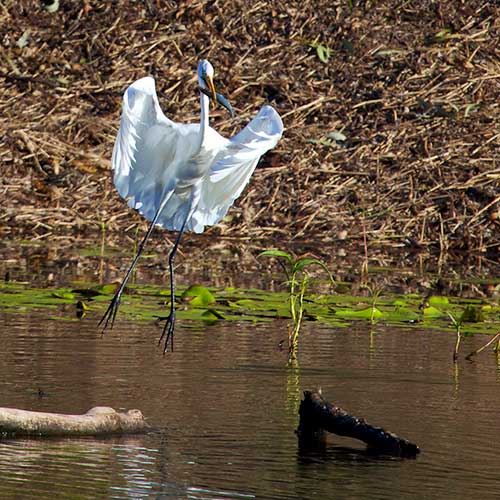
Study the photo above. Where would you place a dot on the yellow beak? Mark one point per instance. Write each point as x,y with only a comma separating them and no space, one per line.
210,84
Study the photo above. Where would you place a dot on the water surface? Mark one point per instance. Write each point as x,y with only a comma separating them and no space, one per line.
224,408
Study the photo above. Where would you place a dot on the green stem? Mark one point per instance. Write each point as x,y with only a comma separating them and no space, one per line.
457,345
298,315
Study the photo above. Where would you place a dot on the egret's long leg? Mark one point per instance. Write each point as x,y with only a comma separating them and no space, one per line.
168,329
109,316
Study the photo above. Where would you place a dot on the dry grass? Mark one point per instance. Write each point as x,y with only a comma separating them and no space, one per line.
414,87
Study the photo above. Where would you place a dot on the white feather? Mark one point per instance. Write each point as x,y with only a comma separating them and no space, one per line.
192,169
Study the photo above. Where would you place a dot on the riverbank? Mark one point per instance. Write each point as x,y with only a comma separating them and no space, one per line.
391,114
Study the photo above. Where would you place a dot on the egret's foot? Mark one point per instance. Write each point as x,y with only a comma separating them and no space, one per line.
109,316
168,332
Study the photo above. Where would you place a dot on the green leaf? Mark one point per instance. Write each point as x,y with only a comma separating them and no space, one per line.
276,253
63,294
105,289
444,35
402,315
80,305
198,296
399,303
433,312
438,301
323,53
368,313
470,108
260,305
472,314
213,314
300,264
320,141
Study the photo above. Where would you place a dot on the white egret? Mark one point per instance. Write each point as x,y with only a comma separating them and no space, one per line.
179,176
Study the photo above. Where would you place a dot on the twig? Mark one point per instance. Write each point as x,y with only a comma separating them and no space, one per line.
495,337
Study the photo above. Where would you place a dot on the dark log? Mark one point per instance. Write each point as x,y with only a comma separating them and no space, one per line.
317,415
97,421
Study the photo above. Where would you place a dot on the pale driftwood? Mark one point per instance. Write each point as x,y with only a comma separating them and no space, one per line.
98,420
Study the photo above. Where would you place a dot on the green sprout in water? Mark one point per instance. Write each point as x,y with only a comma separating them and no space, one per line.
374,295
457,324
298,281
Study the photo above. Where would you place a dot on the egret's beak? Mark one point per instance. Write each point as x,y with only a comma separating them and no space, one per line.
220,99
210,85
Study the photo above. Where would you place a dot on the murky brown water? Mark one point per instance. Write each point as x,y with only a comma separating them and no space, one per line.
225,406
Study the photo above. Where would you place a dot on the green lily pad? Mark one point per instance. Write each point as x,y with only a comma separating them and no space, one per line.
438,301
198,296
433,312
63,294
370,313
211,316
400,303
108,289
403,315
149,302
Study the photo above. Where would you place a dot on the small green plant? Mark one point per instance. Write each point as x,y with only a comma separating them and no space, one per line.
298,281
470,108
374,295
457,324
470,314
322,51
445,35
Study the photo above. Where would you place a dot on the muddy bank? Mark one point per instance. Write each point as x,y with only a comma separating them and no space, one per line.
410,91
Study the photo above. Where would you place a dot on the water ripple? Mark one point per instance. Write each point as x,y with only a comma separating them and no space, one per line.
224,409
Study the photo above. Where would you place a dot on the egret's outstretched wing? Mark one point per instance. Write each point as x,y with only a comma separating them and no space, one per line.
147,149
234,165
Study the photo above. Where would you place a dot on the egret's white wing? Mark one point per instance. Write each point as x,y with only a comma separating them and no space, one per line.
231,170
148,150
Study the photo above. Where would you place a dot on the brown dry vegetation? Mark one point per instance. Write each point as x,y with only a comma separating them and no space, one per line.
413,85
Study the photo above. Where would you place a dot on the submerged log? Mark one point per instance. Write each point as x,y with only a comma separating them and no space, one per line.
98,420
317,415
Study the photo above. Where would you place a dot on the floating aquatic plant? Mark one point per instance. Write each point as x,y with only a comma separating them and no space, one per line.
202,307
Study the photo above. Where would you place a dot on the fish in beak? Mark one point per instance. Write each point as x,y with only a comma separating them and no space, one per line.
216,97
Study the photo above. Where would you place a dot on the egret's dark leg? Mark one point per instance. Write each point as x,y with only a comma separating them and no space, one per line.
168,329
109,316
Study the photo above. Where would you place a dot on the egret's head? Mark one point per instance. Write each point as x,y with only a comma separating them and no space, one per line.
205,78
206,83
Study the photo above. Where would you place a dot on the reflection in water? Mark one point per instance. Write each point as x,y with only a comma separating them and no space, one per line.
293,391
63,466
207,261
224,409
